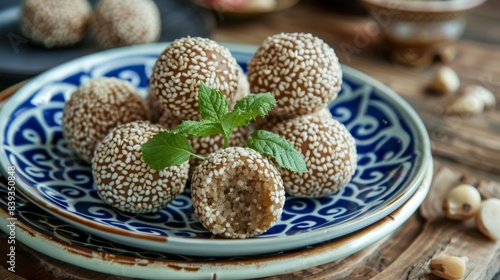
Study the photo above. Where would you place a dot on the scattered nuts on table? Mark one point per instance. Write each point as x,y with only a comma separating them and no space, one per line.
481,93
488,218
470,100
448,267
462,202
445,81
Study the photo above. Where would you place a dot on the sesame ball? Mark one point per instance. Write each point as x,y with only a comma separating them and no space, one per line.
237,193
155,107
243,85
118,23
168,121
55,23
184,65
299,69
124,180
329,151
96,107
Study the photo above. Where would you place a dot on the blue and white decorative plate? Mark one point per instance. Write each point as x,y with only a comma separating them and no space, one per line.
49,235
393,155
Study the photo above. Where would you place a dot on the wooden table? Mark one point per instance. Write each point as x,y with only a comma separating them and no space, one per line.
465,149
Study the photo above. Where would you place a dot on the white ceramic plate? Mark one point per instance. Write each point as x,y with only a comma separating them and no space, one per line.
392,144
49,235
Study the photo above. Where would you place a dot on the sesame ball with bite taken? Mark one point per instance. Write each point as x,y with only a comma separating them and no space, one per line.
184,65
124,180
95,108
329,151
118,23
237,193
55,23
299,69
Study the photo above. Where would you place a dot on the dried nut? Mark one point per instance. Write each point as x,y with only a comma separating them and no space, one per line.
488,218
481,93
466,104
446,80
462,202
447,54
448,267
471,99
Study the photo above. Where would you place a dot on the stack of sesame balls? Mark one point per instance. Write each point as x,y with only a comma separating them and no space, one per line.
304,75
105,122
236,192
113,23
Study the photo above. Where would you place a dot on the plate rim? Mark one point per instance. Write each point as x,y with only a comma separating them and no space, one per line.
179,243
232,269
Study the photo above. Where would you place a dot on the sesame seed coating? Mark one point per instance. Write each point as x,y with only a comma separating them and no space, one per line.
55,23
154,106
237,193
184,65
124,180
95,108
243,86
329,151
125,22
299,69
168,121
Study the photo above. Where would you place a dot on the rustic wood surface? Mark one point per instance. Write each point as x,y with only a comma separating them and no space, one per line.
465,149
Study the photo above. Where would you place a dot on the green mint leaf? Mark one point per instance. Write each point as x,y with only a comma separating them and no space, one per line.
249,108
197,128
212,103
268,143
166,149
226,132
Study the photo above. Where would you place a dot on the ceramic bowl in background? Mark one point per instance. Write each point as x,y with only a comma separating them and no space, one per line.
417,30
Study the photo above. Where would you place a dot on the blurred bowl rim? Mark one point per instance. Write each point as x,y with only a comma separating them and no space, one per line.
280,6
424,6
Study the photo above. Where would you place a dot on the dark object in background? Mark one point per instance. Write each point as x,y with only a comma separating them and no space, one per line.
19,59
351,7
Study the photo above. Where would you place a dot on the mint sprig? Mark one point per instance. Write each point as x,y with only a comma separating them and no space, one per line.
212,103
170,148
249,108
166,149
197,128
271,144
